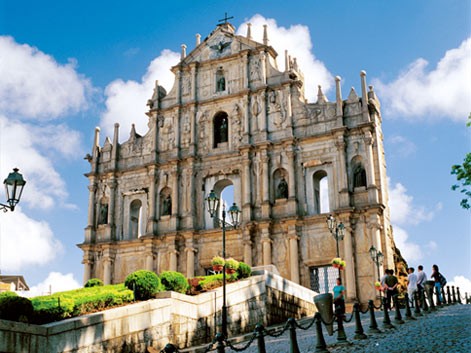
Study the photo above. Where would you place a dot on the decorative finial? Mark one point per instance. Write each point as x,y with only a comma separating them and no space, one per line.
198,39
265,35
249,30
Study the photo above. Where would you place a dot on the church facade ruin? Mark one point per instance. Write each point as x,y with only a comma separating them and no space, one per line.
233,119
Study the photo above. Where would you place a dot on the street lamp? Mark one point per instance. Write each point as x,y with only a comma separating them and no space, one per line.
14,188
234,214
337,231
377,258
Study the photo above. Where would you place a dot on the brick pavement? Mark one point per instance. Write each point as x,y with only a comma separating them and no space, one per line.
447,330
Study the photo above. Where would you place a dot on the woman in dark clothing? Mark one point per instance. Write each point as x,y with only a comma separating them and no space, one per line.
437,277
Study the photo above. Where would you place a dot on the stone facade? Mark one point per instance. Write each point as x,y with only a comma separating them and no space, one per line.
233,118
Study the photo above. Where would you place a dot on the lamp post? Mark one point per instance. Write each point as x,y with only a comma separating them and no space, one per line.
14,184
337,231
234,214
377,258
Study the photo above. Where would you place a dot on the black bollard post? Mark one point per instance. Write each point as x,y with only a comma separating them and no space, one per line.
449,295
444,296
458,295
359,333
321,347
429,286
220,340
386,320
454,294
293,343
408,311
424,303
260,338
466,300
398,316
417,306
373,324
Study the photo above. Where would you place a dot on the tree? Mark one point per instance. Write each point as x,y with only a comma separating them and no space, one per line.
463,176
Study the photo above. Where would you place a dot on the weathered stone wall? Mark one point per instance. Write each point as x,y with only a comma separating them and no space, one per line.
172,317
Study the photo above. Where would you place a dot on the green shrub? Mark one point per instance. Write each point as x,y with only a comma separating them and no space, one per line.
81,301
175,281
15,308
145,284
232,264
211,282
7,294
93,282
244,270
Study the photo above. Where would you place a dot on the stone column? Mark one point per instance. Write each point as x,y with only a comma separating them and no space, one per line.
91,203
172,253
87,267
293,254
190,261
265,184
350,275
151,218
291,174
266,246
107,270
370,170
342,179
247,242
150,261
193,81
111,209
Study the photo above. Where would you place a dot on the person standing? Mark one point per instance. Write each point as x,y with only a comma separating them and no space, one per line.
339,297
421,278
437,279
411,284
391,287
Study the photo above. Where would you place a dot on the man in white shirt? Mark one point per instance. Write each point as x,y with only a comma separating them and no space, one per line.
421,278
411,284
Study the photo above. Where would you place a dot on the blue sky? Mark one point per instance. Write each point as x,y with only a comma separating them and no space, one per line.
66,67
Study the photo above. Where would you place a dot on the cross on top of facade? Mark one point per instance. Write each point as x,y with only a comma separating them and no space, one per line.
225,18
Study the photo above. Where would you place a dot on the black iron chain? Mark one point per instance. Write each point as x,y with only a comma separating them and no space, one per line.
240,349
306,327
280,333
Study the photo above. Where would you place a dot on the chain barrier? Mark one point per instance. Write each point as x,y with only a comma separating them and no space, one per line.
351,317
260,332
308,326
241,349
275,335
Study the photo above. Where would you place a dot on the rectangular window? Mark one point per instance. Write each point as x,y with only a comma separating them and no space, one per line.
323,278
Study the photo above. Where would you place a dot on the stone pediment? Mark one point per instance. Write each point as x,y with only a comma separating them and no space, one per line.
222,42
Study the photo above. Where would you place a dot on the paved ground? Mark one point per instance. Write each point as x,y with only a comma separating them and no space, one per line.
448,330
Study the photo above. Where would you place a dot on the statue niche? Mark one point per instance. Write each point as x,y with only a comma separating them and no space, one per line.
220,129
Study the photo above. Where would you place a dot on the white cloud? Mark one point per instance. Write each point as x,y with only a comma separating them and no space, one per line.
297,40
55,282
34,85
25,242
126,100
403,210
402,146
444,91
410,251
463,283
22,146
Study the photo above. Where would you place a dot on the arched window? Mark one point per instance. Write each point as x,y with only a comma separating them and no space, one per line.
135,219
220,80
220,128
358,172
321,192
166,202
224,190
280,179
